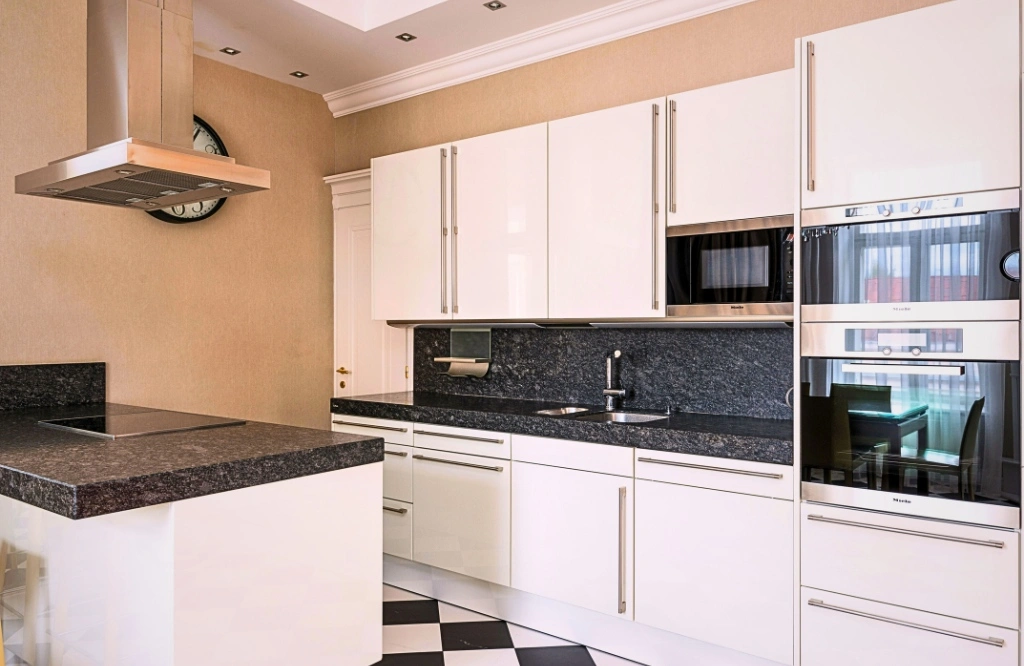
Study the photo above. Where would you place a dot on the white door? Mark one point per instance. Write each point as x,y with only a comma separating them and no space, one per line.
716,566
462,513
370,356
572,537
606,226
915,105
410,235
500,224
732,150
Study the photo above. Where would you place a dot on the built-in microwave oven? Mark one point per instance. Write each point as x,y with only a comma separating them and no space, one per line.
742,268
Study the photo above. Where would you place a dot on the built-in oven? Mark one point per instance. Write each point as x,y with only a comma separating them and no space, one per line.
914,418
742,268
953,257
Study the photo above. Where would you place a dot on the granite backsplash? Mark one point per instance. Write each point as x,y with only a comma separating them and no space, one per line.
728,371
52,385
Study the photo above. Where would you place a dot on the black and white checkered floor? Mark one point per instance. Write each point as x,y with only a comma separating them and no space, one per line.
423,632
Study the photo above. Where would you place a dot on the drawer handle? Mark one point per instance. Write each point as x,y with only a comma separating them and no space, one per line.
994,642
374,427
400,512
400,454
468,439
460,464
762,475
897,530
622,550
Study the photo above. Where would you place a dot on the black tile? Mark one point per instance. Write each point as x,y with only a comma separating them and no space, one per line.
475,636
411,612
413,659
566,655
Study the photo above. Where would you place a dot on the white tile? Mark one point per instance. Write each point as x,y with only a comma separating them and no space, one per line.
412,638
396,594
481,658
605,659
528,638
451,613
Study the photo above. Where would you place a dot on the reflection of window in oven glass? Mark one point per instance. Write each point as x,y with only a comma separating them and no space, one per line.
953,271
885,272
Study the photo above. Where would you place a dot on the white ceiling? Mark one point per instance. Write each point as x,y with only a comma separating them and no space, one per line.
277,37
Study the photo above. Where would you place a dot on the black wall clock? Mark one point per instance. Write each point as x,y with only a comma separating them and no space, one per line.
204,139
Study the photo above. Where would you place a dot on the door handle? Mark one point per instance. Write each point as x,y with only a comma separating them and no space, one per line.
672,156
655,117
392,509
459,463
709,468
444,231
622,550
455,229
811,161
343,371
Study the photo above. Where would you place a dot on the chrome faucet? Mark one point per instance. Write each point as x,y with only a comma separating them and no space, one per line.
612,396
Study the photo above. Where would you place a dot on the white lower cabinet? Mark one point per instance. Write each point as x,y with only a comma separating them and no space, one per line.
716,566
837,630
572,537
398,528
463,513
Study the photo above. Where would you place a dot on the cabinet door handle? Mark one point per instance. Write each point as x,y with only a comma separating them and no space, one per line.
455,229
811,166
465,437
897,530
708,468
994,642
655,117
444,231
459,463
672,156
392,509
400,454
622,550
374,427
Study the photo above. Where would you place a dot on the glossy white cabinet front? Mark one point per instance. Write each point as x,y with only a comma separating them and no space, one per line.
499,267
732,150
918,104
716,566
606,230
463,513
572,537
410,247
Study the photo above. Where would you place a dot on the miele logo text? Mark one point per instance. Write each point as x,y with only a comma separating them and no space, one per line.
736,307
900,501
903,309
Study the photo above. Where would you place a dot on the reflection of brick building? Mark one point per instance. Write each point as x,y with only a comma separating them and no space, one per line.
940,288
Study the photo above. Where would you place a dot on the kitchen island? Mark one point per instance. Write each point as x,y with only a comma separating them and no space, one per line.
247,544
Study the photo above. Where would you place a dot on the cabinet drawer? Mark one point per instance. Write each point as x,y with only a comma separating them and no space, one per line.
398,529
735,476
463,440
843,631
599,458
398,472
393,432
953,569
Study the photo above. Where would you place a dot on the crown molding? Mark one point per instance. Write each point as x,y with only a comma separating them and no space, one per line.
622,19
350,189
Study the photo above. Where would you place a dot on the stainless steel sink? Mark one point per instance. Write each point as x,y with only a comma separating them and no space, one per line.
623,417
562,411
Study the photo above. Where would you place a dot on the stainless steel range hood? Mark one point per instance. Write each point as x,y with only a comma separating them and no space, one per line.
140,118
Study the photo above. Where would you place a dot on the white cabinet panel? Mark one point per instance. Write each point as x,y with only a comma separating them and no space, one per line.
737,476
913,105
463,514
463,440
734,150
398,521
716,566
500,225
606,232
584,456
572,537
846,631
410,249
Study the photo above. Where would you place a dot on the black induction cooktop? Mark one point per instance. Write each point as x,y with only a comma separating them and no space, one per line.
119,426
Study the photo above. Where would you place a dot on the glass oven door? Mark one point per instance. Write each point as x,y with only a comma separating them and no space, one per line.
923,421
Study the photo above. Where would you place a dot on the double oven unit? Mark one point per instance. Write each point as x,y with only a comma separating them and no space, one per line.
910,358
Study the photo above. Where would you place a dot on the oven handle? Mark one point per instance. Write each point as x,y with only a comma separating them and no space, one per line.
906,369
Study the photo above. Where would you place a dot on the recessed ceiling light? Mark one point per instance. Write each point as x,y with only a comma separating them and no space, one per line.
494,5
230,51
299,75
405,37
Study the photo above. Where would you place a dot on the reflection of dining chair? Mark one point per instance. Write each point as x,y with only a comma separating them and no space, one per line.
827,443
864,398
940,462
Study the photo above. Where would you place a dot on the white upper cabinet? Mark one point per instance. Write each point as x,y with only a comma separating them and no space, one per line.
919,104
606,228
499,267
732,149
410,246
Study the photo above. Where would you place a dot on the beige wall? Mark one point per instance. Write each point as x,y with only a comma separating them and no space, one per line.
229,316
752,39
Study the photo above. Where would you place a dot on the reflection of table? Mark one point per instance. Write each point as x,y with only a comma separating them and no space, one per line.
891,428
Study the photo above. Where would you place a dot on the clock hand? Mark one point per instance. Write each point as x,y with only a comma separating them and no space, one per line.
195,134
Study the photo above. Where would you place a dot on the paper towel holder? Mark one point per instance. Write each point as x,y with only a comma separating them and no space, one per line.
469,352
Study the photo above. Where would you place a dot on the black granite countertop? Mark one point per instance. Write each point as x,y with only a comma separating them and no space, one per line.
740,438
78,476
